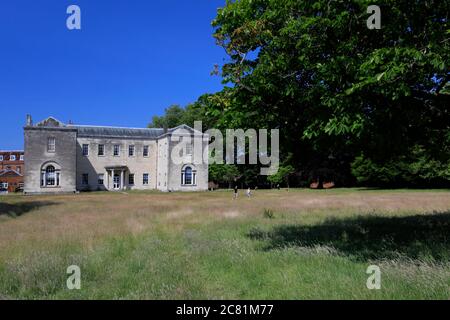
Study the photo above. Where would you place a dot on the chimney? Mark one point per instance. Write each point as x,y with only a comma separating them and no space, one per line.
29,120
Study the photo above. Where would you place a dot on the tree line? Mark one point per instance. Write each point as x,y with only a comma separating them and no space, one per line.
354,106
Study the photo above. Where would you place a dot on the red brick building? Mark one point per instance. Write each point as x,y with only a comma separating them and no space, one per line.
11,170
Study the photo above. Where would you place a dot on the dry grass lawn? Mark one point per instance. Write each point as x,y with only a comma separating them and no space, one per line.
300,244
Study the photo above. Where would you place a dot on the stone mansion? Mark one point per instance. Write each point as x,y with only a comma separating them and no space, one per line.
63,157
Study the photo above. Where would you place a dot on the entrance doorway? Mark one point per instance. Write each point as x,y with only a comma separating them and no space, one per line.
116,182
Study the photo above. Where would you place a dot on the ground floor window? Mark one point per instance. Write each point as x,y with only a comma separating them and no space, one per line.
101,179
188,176
145,179
50,176
131,179
85,179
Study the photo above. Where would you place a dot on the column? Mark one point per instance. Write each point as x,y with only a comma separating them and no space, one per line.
112,176
122,179
107,180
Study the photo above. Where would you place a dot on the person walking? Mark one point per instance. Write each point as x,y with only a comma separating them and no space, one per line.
249,193
236,192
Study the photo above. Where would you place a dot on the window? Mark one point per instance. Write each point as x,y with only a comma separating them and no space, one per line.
131,179
19,169
85,150
12,157
85,179
101,179
145,151
188,176
4,186
131,151
145,179
116,151
189,149
101,150
21,157
51,144
1,158
50,176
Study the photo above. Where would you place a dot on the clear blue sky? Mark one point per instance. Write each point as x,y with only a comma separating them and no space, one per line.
131,60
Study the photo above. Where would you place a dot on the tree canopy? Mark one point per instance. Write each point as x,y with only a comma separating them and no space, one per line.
350,103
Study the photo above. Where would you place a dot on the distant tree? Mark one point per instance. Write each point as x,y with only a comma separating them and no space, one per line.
173,117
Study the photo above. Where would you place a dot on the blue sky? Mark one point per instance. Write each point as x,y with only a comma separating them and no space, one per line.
130,60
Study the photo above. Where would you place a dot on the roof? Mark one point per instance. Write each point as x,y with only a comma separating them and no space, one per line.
109,132
97,131
6,171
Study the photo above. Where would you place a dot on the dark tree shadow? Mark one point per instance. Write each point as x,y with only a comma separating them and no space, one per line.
19,209
425,237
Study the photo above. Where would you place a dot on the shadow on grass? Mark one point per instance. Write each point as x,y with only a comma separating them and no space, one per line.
424,237
19,209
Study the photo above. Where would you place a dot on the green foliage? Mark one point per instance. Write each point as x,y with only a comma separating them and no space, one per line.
416,169
223,173
269,214
282,175
333,87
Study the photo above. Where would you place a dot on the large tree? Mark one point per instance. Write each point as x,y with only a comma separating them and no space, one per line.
333,87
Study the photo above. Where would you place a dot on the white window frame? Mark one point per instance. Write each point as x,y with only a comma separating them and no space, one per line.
22,157
146,148
118,150
87,149
1,157
103,150
131,150
51,144
193,176
12,157
134,179
145,183
101,177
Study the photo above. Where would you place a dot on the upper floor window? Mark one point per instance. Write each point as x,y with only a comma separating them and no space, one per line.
85,150
51,144
1,158
189,149
116,150
145,151
131,151
101,150
12,157
21,157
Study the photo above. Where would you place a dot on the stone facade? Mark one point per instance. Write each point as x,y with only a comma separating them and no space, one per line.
69,158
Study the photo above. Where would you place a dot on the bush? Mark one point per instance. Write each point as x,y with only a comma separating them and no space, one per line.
269,214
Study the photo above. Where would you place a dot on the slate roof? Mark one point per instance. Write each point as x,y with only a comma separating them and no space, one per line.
94,131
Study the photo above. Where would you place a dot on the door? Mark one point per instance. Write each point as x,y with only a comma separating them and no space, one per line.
116,182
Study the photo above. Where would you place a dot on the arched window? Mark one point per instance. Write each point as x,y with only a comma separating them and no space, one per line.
50,175
188,176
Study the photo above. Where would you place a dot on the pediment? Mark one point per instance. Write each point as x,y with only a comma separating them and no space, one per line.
51,122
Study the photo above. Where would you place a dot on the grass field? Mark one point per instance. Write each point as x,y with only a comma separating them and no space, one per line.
300,244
